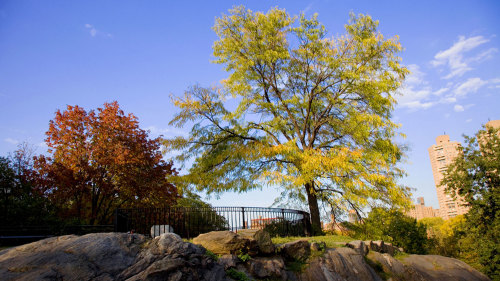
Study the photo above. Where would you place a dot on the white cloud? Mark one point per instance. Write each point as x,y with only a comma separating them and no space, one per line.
472,85
468,120
42,145
155,131
454,56
11,141
486,55
494,83
441,91
416,94
94,32
414,99
308,8
448,99
416,76
458,108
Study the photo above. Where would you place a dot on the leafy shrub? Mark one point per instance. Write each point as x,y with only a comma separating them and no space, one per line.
282,228
392,226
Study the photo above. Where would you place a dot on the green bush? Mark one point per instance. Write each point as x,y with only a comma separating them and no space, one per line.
394,227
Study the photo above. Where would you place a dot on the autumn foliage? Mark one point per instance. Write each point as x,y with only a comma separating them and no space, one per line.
99,161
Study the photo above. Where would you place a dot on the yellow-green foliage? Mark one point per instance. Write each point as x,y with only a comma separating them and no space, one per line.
312,111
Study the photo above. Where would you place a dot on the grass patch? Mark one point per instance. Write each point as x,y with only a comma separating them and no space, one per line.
436,265
379,268
244,257
211,255
400,256
296,266
332,241
236,275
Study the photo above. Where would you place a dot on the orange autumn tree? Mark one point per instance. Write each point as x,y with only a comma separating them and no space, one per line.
101,160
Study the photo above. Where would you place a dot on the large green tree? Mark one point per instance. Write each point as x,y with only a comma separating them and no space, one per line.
475,176
311,113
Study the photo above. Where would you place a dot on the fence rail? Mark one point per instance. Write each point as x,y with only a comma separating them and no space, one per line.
189,222
21,234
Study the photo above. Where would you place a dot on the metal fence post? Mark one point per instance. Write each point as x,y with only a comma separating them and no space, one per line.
115,221
243,216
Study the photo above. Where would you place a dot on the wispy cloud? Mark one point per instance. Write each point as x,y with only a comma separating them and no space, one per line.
156,131
94,32
416,93
42,145
11,141
458,108
472,85
454,58
308,8
91,29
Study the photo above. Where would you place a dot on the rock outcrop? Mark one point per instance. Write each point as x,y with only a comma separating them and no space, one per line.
423,267
259,241
359,246
222,242
109,256
340,264
297,250
132,257
90,257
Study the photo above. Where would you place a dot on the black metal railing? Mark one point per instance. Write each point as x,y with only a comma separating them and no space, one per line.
190,222
21,234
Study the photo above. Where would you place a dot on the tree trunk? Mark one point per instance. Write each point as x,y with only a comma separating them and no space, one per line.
312,199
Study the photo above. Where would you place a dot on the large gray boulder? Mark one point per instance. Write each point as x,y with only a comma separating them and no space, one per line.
267,268
222,242
393,267
109,256
359,246
296,250
424,267
228,261
339,264
100,256
167,257
433,267
377,246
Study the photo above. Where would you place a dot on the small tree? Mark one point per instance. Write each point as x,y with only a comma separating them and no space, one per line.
313,113
20,202
101,160
392,226
475,176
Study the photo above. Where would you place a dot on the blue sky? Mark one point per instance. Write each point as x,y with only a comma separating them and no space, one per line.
58,53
